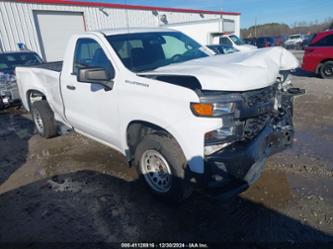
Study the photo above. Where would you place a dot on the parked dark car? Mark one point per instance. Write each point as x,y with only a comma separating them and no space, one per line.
222,49
266,41
250,41
318,56
8,62
280,39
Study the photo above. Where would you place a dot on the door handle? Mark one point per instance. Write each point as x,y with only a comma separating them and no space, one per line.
70,87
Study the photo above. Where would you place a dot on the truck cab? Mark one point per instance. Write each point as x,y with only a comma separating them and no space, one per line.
234,41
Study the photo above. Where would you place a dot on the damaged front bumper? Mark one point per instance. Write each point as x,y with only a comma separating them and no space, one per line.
233,169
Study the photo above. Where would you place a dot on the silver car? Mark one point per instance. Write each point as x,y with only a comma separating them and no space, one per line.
8,62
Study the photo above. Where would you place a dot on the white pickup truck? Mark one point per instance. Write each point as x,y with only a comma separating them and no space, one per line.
183,117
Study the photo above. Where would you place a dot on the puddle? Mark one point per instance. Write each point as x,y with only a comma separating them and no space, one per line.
67,154
67,186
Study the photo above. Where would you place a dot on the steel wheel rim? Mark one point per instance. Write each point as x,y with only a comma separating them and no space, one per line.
156,171
38,121
328,70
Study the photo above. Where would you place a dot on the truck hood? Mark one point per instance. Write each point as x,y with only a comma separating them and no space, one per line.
241,71
245,47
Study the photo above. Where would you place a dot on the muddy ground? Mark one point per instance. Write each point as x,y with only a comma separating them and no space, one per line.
71,189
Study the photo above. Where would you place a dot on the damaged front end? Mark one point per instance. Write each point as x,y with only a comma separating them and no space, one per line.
256,124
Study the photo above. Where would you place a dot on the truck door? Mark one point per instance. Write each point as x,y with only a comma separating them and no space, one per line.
89,107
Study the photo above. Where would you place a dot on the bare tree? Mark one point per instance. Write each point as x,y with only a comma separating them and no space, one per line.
277,29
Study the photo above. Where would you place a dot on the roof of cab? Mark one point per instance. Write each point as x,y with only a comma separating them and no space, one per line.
120,31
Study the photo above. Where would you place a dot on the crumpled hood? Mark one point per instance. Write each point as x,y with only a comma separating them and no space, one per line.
241,71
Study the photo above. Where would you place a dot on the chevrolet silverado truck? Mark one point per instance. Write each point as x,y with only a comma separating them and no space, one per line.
182,116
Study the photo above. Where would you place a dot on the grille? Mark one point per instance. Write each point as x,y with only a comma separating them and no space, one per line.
255,101
253,126
259,97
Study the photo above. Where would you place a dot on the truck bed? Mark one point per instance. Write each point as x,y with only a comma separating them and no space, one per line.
54,66
43,78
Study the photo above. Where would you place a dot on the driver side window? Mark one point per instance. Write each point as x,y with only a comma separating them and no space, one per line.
89,54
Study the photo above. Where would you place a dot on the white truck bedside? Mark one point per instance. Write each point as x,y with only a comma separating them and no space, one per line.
182,116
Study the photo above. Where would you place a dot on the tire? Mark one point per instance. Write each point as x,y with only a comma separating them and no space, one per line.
2,105
43,118
326,70
164,151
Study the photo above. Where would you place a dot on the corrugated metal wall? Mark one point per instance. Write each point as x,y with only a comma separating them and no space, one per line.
17,22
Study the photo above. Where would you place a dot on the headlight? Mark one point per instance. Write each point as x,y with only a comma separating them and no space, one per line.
216,104
219,105
212,109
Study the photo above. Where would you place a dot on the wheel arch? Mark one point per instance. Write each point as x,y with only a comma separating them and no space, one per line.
137,129
321,63
29,96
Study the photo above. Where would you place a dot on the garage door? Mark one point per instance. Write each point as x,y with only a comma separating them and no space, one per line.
54,29
228,26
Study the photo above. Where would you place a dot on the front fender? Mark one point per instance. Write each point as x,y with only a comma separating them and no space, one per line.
167,106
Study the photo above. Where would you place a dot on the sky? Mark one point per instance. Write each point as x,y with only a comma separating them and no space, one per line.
265,11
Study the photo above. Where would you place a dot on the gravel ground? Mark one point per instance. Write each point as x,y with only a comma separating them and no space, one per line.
71,189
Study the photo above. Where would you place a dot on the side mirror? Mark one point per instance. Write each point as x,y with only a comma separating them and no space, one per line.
97,76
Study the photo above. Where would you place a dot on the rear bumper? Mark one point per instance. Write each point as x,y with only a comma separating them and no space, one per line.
233,169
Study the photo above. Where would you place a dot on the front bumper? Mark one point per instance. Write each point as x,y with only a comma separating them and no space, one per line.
233,169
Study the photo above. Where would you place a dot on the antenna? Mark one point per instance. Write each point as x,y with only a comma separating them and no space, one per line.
127,18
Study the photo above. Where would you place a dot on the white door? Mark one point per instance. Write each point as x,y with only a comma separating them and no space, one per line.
54,29
90,108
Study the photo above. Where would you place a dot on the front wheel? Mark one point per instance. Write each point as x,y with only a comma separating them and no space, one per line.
44,119
161,166
326,70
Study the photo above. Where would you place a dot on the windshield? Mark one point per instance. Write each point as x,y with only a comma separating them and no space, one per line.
8,61
237,40
147,51
294,37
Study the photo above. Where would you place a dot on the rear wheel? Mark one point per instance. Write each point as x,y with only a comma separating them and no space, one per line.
44,119
326,70
161,165
2,105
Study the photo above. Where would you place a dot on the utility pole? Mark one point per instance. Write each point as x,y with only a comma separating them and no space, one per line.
255,27
222,21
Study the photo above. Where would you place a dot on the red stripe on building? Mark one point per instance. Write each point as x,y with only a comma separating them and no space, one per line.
125,6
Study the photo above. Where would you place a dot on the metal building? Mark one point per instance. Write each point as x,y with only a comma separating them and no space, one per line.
44,26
